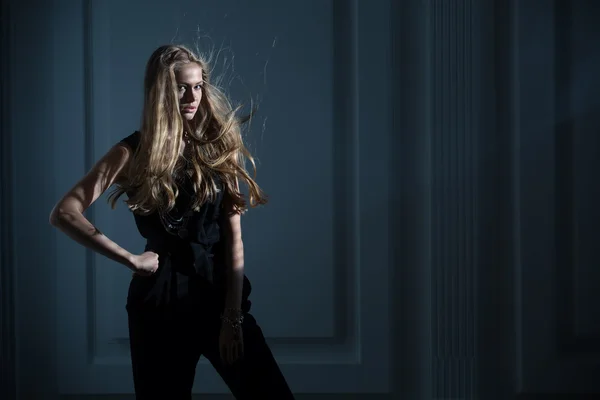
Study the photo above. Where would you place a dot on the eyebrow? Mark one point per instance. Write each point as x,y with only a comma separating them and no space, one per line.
187,84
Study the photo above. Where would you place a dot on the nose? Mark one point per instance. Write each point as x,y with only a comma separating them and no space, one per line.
188,97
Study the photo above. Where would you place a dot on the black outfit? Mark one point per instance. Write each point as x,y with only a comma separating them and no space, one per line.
174,315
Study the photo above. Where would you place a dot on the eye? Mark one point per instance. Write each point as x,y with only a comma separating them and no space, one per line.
198,87
181,87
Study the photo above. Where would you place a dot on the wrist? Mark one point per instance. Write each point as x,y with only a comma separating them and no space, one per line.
233,299
232,318
130,261
231,312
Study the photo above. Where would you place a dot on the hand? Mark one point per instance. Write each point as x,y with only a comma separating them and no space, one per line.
145,264
231,342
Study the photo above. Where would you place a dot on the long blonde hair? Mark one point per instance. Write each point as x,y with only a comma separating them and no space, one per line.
217,145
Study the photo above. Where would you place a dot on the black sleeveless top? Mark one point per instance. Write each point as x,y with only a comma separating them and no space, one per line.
190,259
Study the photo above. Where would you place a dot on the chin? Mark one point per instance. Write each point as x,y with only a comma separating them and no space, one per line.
188,116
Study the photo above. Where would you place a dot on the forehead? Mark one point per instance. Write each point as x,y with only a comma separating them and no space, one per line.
190,72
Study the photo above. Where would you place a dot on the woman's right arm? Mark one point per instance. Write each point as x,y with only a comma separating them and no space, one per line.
67,214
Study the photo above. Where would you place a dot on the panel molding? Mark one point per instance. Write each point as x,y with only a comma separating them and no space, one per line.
495,352
356,350
535,196
344,345
571,344
8,344
551,358
346,172
90,157
410,200
457,73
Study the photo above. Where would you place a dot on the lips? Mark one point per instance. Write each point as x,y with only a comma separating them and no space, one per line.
189,109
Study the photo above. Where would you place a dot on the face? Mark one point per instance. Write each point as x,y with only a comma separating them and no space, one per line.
189,86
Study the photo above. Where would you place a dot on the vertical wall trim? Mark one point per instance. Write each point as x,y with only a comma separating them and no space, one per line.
516,190
411,196
345,158
88,97
494,242
455,77
8,373
564,212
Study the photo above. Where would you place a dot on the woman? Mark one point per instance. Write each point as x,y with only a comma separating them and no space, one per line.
188,296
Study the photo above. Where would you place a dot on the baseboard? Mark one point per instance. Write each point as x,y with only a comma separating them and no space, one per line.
557,396
347,396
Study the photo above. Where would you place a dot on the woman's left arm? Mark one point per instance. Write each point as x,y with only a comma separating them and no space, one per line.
231,341
234,260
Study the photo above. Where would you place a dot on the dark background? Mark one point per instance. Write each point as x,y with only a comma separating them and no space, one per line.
493,198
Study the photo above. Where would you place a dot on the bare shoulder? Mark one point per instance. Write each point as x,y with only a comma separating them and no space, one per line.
114,161
106,171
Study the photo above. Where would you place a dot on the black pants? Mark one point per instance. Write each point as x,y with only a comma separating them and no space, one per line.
166,347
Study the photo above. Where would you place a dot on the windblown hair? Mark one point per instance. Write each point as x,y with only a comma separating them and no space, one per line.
216,141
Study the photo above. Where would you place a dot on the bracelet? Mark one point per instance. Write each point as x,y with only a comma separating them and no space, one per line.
235,322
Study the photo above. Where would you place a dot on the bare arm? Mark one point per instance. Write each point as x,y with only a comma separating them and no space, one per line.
234,262
68,216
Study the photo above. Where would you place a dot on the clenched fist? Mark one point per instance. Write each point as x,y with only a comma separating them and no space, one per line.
145,264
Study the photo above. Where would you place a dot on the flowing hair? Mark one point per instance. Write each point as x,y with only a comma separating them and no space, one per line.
216,141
